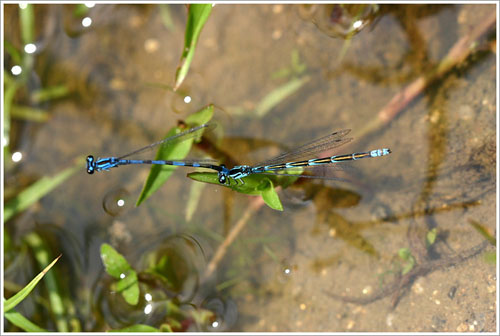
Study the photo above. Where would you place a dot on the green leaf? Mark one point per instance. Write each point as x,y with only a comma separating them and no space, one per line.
80,10
406,255
251,186
138,328
201,117
22,322
279,94
431,236
114,262
256,185
165,327
197,16
270,196
129,288
118,267
36,191
23,293
159,174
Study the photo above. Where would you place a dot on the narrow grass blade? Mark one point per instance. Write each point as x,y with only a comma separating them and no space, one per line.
22,322
27,22
27,25
279,94
13,52
166,17
42,254
23,293
197,16
10,88
483,231
29,113
49,93
36,191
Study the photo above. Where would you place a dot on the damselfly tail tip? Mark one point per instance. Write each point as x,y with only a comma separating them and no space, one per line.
380,152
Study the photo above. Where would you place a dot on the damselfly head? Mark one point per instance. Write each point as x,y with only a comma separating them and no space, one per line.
90,164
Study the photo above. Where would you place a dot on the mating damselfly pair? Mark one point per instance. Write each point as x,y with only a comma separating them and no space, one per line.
302,157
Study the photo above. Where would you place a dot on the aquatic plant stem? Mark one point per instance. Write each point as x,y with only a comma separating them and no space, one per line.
254,205
460,50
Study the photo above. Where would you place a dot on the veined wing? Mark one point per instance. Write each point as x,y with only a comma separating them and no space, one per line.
310,149
183,136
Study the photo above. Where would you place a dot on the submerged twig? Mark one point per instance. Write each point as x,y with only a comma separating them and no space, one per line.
255,205
457,54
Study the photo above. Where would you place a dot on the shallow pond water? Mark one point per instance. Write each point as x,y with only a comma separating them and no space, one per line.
335,241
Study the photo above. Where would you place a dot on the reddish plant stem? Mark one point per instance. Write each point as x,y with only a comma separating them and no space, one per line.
456,54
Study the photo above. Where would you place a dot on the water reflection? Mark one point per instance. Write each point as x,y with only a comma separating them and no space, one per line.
339,20
225,313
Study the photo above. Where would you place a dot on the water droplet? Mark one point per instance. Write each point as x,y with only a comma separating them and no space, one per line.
285,272
148,309
30,48
17,156
16,70
357,24
116,201
86,22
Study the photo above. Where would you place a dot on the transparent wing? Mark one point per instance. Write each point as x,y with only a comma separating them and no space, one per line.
310,149
326,171
183,136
